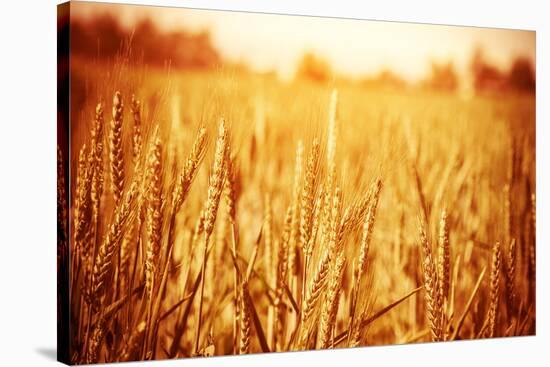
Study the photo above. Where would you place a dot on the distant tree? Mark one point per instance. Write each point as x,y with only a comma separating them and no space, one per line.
521,76
442,77
104,37
314,68
99,37
486,77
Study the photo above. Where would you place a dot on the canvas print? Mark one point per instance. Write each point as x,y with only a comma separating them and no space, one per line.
234,183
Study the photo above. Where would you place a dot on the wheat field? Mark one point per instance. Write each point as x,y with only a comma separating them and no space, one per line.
219,213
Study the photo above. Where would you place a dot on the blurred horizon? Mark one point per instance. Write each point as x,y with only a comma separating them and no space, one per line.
356,49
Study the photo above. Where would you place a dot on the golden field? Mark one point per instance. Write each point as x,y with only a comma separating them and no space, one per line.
222,212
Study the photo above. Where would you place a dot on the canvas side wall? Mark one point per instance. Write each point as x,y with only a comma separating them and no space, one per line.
63,179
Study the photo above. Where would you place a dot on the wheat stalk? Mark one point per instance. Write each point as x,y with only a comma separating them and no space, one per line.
507,213
268,239
295,224
332,138
231,192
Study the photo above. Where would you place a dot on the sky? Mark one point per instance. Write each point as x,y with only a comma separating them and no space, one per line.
268,42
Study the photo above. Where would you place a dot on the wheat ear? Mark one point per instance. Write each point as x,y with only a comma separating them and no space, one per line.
82,203
135,108
190,169
361,267
214,192
97,159
245,321
511,273
154,214
216,179
494,290
97,336
308,196
443,256
433,304
104,259
315,289
62,214
443,268
115,149
367,230
330,306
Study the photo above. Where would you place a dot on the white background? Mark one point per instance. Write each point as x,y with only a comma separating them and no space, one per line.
27,181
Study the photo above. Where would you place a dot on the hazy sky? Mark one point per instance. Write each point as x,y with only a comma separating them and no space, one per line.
354,47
